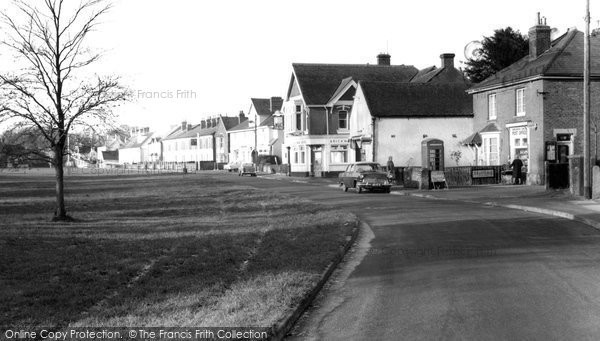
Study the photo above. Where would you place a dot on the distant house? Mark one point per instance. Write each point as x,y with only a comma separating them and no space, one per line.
258,131
402,119
132,152
536,100
193,145
317,111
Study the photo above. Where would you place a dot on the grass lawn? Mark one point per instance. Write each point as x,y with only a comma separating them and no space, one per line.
161,250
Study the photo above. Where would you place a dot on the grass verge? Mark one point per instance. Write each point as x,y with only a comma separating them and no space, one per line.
160,251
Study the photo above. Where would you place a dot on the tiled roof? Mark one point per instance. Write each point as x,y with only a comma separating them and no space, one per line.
318,82
490,128
246,124
193,132
230,122
387,99
563,58
439,75
263,106
136,143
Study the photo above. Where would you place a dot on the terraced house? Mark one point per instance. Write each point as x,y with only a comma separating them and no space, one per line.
202,146
538,101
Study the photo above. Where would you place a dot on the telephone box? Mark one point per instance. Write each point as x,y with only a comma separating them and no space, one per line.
432,154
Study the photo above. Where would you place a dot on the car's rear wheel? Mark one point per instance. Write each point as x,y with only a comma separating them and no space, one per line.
359,189
388,190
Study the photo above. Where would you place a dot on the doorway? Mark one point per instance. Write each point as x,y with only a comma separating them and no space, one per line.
317,161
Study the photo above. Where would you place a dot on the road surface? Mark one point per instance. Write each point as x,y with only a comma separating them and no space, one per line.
445,270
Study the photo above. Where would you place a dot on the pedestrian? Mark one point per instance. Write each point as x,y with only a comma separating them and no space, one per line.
391,169
516,166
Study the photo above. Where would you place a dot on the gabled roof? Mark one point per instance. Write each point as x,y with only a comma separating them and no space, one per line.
269,121
409,100
263,106
230,122
136,143
318,82
564,58
342,90
193,132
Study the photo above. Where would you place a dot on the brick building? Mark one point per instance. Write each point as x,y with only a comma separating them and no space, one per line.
536,100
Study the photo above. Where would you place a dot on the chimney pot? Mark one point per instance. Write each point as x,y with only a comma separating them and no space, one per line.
384,59
447,60
539,38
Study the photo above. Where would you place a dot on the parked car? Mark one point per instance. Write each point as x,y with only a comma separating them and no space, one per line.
247,168
365,175
232,166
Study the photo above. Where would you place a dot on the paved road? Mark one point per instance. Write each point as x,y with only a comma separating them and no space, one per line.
450,270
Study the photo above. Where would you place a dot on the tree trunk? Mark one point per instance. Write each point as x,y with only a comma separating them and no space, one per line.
60,214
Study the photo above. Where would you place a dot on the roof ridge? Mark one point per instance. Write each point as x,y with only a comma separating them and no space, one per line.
367,65
568,40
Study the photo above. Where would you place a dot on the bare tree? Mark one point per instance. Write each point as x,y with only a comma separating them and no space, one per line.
50,92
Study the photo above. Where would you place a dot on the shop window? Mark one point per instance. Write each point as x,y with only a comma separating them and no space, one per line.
491,152
339,154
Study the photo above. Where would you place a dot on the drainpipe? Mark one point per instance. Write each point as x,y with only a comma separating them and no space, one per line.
373,134
326,136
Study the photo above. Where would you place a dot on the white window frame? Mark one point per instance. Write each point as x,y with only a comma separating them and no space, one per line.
338,149
486,150
520,102
345,120
492,109
296,114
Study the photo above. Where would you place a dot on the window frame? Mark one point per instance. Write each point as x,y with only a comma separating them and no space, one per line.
492,107
520,109
345,120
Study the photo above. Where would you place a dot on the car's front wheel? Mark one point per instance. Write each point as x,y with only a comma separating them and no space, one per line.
344,187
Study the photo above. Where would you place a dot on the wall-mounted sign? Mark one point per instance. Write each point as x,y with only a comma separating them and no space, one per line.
482,173
438,176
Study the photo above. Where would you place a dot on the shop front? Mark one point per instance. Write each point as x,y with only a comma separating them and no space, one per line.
318,157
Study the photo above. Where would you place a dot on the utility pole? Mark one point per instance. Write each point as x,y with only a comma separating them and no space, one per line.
587,189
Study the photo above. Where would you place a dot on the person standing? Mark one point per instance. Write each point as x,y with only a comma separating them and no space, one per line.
516,166
391,169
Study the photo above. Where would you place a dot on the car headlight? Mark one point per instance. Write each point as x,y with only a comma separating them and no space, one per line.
361,177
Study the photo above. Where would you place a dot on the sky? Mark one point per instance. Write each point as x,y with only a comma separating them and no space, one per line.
190,59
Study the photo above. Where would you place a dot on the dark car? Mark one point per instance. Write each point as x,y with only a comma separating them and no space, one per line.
247,168
365,175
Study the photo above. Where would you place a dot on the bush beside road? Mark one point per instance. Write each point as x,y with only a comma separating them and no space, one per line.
167,250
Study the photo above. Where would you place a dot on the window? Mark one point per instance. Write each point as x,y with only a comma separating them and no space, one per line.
298,117
520,102
491,153
343,119
492,107
339,154
302,155
193,142
295,157
220,142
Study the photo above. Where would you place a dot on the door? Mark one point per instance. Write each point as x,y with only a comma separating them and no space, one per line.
317,161
563,153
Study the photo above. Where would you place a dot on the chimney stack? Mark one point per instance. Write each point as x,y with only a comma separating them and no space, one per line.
384,59
208,122
215,121
275,104
203,124
241,117
183,126
447,60
539,38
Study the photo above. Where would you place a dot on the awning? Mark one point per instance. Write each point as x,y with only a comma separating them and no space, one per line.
472,140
